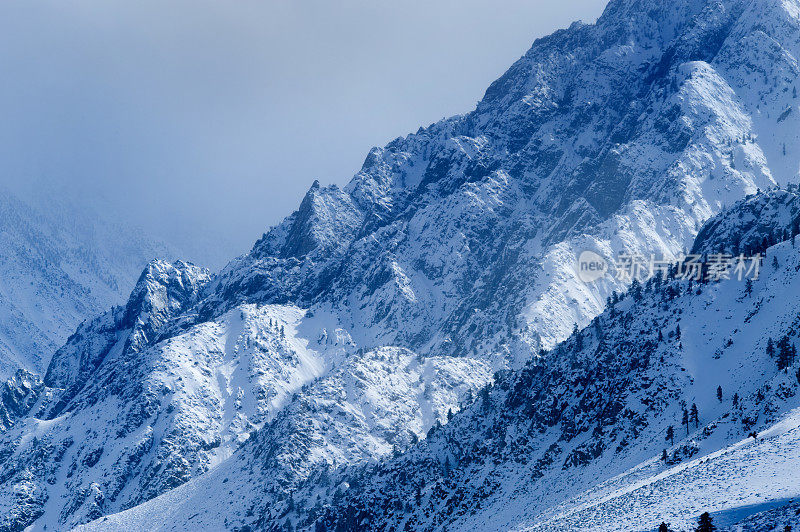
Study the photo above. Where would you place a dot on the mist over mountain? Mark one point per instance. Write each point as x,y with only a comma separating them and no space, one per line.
203,122
60,265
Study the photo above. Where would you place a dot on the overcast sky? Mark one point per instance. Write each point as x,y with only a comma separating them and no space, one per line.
200,117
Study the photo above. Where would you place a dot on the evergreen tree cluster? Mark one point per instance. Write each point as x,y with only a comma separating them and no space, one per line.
784,352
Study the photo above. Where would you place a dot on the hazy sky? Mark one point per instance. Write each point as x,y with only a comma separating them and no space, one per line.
200,117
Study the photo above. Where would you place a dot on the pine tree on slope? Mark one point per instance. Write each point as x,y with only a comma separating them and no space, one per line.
704,524
694,415
685,420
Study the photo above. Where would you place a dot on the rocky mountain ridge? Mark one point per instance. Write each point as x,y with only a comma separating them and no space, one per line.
644,416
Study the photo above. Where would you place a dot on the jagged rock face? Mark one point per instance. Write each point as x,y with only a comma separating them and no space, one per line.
624,135
163,292
762,219
18,396
100,387
576,440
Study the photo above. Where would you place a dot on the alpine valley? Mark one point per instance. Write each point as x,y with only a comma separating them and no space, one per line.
415,351
59,265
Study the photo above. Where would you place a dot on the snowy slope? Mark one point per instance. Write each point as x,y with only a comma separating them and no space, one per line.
362,411
573,441
732,483
597,409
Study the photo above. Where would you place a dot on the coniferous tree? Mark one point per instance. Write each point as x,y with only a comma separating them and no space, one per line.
785,353
578,338
636,290
775,262
485,399
736,399
719,393
290,503
664,456
663,527
705,524
694,415
670,435
685,420
770,348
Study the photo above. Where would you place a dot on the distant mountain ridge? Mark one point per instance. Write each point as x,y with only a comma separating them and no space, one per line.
59,266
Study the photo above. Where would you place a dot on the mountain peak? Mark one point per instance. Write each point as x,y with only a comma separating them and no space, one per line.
163,291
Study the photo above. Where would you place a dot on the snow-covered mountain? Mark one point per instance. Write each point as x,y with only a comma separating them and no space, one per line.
136,403
59,266
623,135
371,316
577,439
580,440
